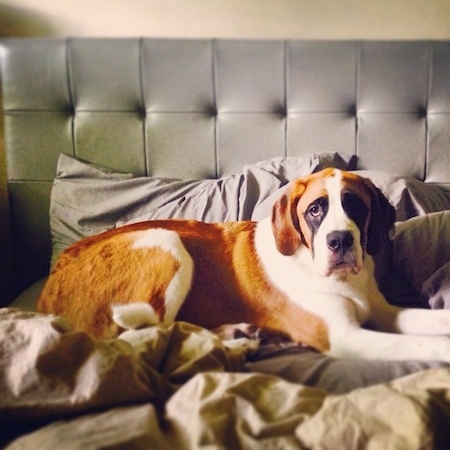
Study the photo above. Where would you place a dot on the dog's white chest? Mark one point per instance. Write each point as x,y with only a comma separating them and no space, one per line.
296,277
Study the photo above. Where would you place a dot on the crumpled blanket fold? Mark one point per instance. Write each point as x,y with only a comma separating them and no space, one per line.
49,371
178,386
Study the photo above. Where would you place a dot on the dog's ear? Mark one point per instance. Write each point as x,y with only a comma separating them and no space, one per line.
382,218
285,224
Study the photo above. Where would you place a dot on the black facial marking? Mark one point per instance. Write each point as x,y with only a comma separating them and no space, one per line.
315,214
356,209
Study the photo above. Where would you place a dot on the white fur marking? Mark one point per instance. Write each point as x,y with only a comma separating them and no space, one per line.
128,316
335,220
134,315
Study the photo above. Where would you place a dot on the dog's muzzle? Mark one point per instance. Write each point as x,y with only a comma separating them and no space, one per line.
340,243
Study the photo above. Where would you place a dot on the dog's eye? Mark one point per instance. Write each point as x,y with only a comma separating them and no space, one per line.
315,210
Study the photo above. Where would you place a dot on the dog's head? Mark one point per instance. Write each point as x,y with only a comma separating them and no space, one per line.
338,216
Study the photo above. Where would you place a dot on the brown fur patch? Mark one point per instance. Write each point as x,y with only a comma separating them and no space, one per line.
88,279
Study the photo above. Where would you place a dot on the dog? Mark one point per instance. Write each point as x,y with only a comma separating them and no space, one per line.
306,272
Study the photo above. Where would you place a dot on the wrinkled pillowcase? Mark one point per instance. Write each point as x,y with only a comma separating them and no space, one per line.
88,199
421,254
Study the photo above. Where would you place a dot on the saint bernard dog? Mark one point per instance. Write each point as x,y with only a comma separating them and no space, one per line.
307,272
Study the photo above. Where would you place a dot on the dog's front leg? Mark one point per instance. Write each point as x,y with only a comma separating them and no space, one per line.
347,339
389,318
354,342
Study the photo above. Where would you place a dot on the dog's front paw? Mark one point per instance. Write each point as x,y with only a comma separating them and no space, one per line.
242,346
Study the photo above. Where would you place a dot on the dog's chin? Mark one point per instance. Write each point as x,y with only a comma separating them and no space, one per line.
343,266
342,270
329,264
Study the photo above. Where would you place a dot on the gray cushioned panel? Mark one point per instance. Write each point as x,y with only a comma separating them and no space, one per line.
112,139
204,108
394,142
177,76
393,77
250,76
34,75
438,165
248,138
188,138
105,75
34,141
30,203
439,86
321,132
322,76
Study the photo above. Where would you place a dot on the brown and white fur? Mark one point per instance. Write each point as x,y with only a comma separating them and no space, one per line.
307,272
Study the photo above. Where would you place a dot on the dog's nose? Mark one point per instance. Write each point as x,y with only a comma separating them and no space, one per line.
339,241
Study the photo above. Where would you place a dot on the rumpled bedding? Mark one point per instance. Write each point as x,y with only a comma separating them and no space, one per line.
180,386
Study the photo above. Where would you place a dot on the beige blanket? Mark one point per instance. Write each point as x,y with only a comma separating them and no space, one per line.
179,387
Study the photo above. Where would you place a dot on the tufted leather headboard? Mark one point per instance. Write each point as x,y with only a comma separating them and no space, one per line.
204,108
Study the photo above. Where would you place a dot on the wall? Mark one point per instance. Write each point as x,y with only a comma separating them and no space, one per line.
312,19
308,19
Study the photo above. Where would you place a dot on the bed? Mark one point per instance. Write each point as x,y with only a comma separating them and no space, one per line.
104,132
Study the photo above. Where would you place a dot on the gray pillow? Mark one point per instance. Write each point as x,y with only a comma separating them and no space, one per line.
436,289
87,199
409,197
421,254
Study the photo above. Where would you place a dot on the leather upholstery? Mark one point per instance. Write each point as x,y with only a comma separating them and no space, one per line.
204,108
